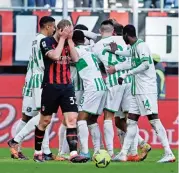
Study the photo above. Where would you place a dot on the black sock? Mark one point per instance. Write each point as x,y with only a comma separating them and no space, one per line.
13,141
39,136
72,139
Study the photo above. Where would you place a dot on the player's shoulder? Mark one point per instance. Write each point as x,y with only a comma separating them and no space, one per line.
141,44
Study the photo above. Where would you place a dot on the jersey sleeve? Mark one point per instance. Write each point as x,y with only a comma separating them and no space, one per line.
45,46
143,52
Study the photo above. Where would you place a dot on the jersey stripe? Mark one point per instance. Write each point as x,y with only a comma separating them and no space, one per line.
96,84
54,72
58,73
100,83
64,73
51,74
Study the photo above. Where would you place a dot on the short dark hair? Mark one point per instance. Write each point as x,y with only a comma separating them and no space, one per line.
78,37
118,29
129,30
107,22
81,27
45,19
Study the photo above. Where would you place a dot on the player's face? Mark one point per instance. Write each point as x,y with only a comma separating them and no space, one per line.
51,28
125,38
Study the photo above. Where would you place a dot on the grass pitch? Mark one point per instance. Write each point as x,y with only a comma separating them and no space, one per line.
8,165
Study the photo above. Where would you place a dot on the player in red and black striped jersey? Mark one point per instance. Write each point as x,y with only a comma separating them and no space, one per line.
58,89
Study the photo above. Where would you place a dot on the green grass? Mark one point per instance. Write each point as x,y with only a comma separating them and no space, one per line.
8,165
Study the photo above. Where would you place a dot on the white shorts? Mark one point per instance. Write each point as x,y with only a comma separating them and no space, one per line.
28,106
36,94
78,95
118,98
144,104
120,114
93,102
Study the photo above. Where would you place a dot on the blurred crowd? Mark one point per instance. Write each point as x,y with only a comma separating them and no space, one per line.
88,3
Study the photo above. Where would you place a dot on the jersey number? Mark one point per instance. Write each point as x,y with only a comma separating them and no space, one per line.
110,55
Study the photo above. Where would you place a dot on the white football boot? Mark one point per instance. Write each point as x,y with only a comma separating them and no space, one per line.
167,158
120,157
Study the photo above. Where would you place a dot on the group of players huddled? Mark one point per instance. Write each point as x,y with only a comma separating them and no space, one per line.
70,69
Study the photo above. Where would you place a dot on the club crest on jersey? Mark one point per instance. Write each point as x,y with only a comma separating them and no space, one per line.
29,109
44,44
43,108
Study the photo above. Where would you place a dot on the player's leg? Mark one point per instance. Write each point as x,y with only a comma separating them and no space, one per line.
95,132
37,93
27,111
49,105
89,105
70,111
132,130
63,144
112,105
150,106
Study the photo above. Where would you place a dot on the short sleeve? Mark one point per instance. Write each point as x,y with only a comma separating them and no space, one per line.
45,46
143,52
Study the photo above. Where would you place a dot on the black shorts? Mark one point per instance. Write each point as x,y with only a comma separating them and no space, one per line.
55,95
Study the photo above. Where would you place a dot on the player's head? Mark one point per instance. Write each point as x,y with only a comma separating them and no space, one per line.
118,28
78,37
81,27
129,33
47,24
63,23
106,28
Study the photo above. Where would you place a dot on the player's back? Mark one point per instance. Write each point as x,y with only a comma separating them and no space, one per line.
108,58
38,67
88,69
145,81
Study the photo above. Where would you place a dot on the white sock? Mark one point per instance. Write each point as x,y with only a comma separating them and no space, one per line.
109,136
134,145
38,152
141,141
161,134
19,127
83,135
96,136
101,141
121,135
65,147
132,130
29,127
61,136
45,143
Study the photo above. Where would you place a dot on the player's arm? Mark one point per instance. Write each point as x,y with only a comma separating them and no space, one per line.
73,52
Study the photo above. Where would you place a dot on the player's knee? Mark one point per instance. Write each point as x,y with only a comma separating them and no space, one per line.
25,118
92,119
71,121
131,122
44,122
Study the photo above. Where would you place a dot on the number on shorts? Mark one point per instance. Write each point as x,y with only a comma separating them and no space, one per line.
72,100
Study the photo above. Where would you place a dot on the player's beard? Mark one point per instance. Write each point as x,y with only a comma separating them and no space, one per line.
125,38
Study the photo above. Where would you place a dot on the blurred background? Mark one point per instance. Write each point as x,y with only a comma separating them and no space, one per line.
156,22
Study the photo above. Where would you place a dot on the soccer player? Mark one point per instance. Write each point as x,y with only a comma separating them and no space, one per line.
94,96
93,127
32,92
144,94
58,89
125,95
114,99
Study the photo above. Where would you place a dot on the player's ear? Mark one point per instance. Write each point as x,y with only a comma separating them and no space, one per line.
100,31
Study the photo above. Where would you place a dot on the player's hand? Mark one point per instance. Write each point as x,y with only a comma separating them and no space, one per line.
70,35
121,78
113,47
111,69
64,34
